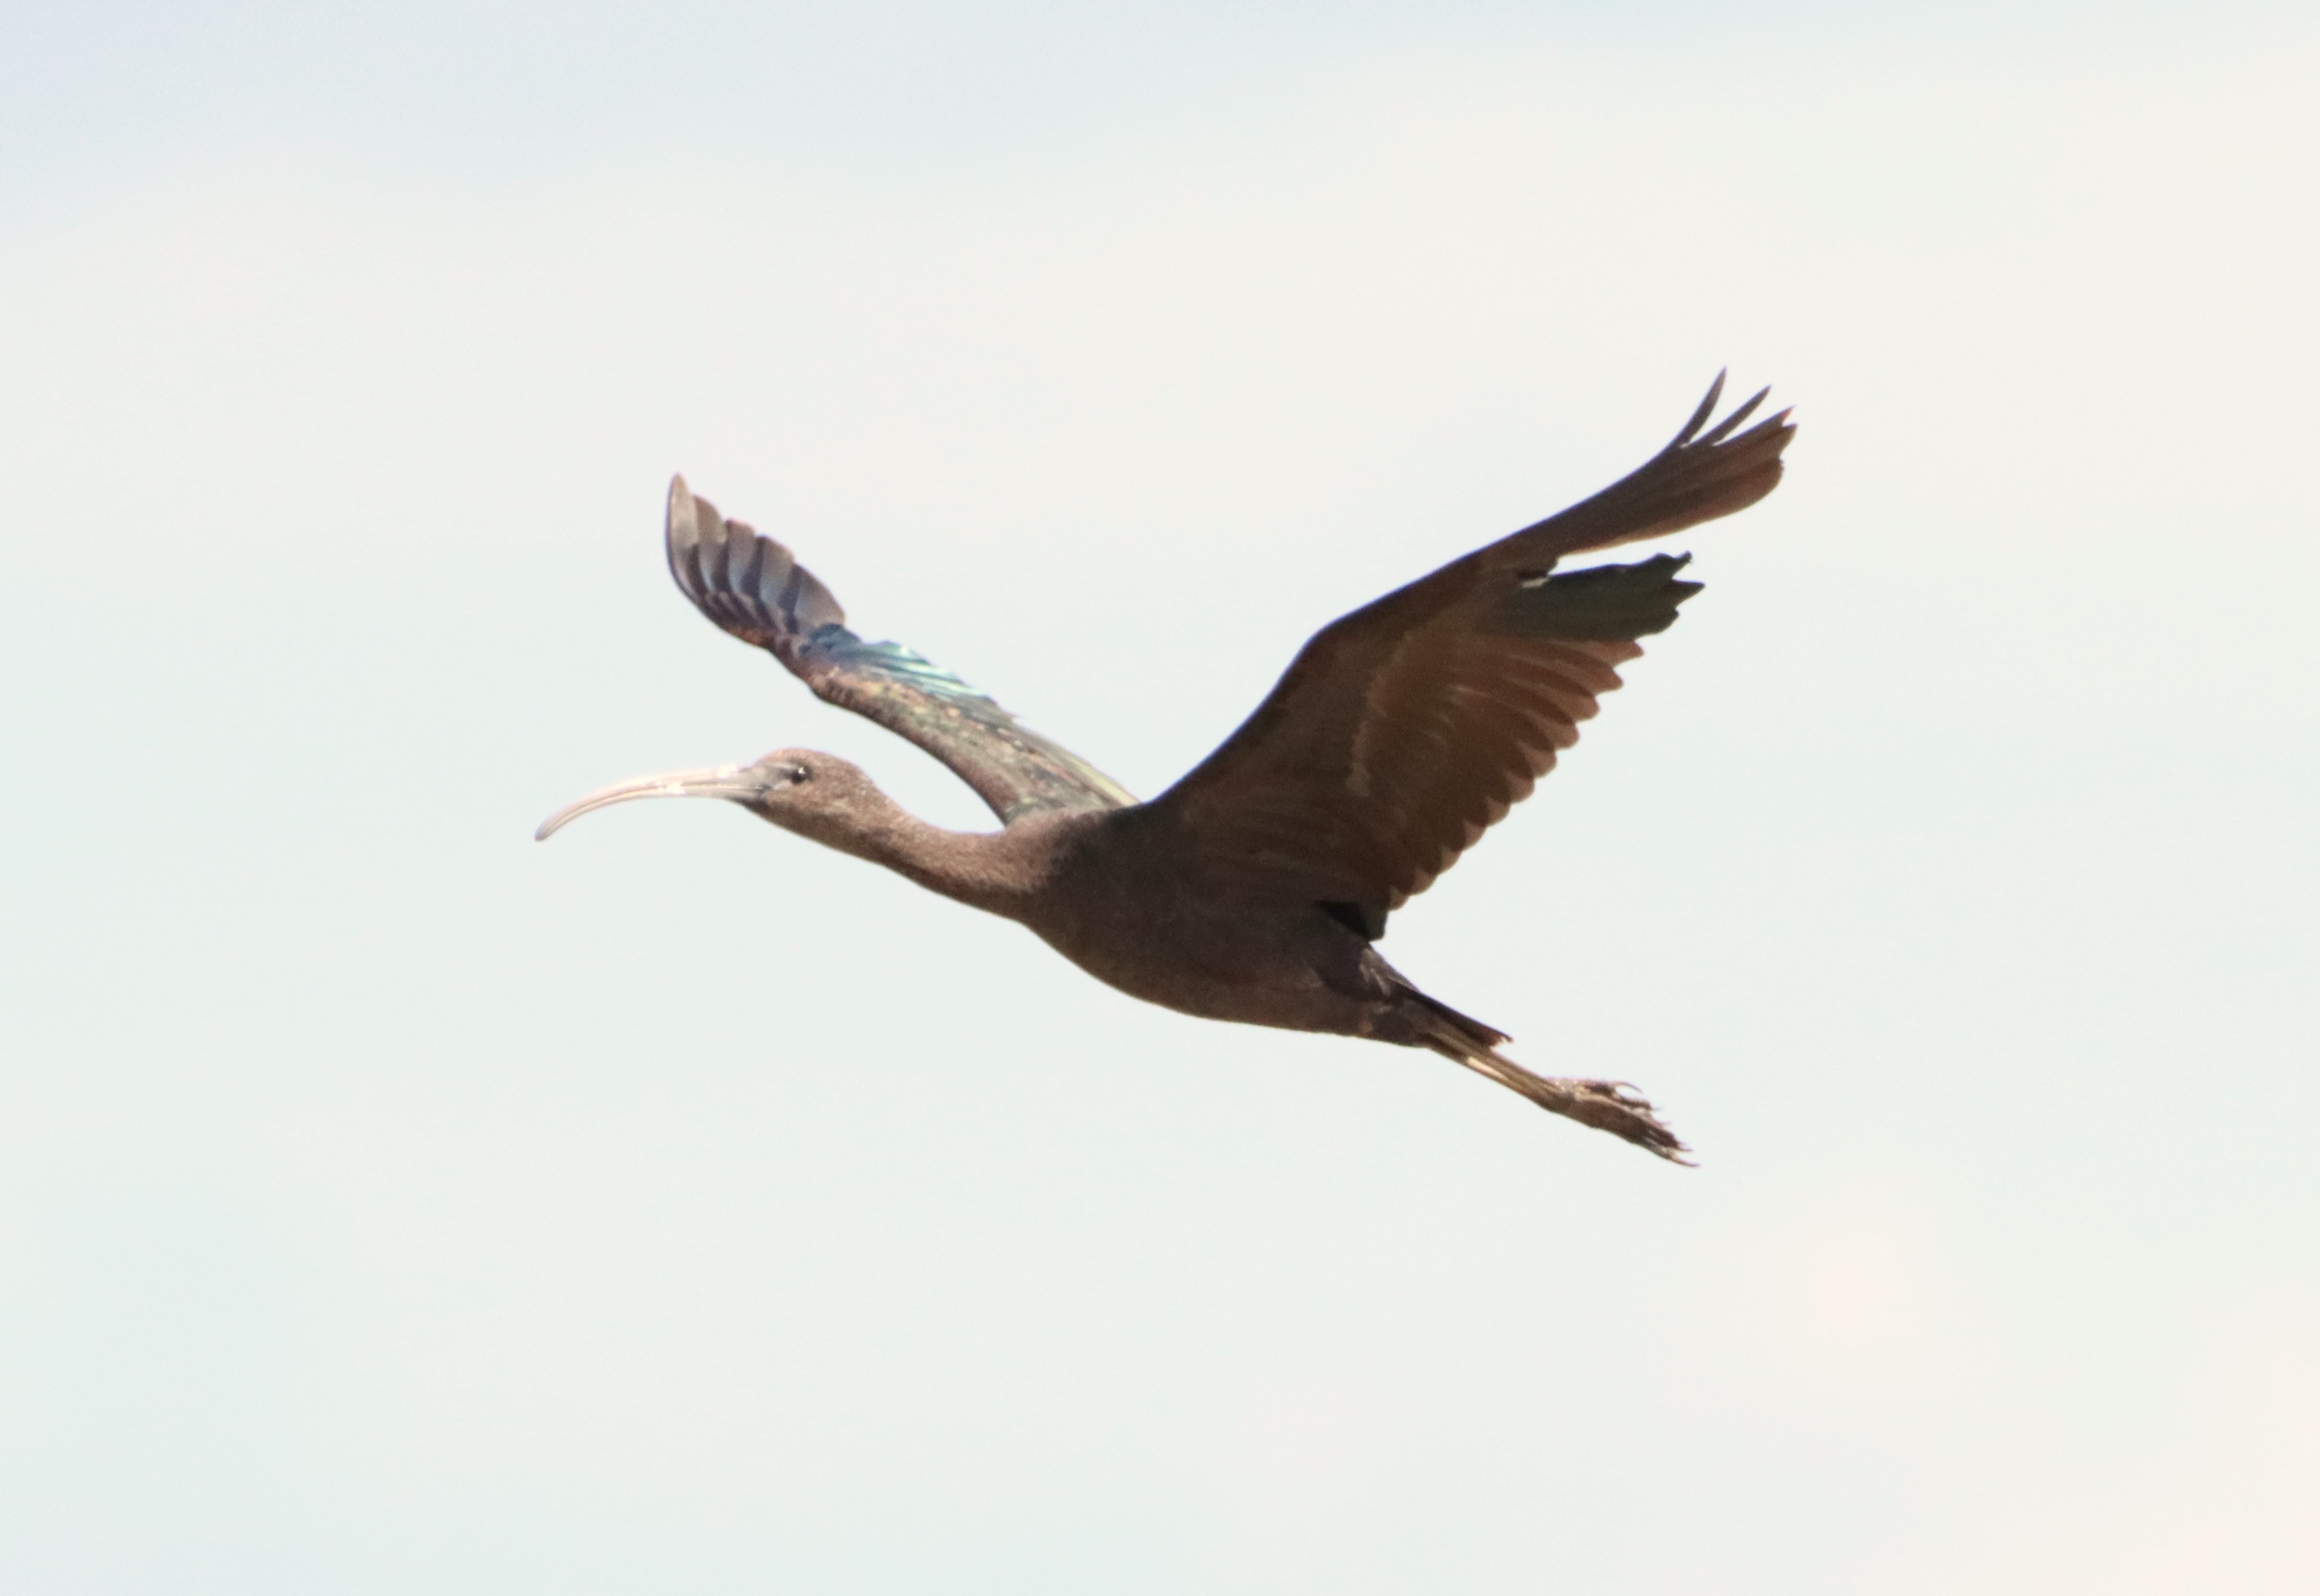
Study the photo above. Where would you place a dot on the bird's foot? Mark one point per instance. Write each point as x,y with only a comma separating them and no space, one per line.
1609,1105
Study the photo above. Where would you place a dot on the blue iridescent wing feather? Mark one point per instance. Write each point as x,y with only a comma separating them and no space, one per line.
754,588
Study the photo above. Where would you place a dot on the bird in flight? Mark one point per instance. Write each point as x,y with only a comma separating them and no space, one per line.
1255,887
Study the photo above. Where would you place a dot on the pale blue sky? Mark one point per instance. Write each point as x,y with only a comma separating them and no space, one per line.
389,1204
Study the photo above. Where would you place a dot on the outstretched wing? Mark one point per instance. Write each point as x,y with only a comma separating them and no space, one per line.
754,588
1402,731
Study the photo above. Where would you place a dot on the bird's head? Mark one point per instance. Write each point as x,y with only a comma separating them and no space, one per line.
799,789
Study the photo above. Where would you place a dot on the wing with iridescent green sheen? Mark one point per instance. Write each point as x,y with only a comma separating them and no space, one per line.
753,587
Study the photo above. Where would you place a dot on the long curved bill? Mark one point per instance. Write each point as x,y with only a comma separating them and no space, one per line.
741,782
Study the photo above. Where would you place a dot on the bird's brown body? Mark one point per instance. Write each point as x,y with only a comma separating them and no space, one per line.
1103,888
1119,912
1253,890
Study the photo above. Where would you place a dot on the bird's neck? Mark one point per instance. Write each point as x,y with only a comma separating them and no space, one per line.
987,870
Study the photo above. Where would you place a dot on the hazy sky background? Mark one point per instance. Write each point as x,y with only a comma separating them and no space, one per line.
388,1204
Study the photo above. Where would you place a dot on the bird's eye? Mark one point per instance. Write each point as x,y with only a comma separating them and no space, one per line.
798,775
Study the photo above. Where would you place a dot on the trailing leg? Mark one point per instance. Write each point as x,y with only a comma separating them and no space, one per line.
1606,1105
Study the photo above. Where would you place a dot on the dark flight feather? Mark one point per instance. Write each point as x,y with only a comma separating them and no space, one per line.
1404,730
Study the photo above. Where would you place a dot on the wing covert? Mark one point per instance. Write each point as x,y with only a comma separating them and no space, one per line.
753,587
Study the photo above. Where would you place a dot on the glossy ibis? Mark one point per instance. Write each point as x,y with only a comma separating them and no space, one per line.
1253,888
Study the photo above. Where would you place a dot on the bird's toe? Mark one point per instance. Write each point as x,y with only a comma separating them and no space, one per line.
1617,1106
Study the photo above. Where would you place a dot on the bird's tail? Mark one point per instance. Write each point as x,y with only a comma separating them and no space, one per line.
1606,1105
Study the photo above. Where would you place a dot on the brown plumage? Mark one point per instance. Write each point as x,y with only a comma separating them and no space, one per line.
1253,889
